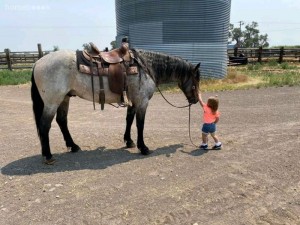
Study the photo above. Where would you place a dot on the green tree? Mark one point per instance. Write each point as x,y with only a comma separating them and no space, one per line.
113,45
250,37
86,46
55,48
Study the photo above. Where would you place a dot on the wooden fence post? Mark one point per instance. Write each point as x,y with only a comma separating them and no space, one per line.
8,59
40,50
281,53
259,54
235,51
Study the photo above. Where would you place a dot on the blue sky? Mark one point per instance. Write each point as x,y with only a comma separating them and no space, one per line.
69,24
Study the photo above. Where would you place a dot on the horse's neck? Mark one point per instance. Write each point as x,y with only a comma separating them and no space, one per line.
165,68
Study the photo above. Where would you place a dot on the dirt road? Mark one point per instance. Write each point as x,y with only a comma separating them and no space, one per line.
254,179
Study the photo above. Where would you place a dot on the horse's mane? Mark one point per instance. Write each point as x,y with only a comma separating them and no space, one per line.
163,67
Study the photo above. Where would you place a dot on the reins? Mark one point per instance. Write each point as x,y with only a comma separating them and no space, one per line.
181,107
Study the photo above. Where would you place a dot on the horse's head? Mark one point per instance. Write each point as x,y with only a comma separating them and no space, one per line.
190,84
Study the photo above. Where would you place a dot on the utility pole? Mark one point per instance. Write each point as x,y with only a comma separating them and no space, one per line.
241,23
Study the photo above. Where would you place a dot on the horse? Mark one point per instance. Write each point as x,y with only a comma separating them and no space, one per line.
55,79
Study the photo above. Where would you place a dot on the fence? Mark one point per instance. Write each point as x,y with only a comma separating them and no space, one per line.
240,55
237,56
20,60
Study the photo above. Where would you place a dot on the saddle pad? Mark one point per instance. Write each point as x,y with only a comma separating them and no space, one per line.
81,60
84,65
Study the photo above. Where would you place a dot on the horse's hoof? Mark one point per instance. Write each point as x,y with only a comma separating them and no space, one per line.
145,151
130,144
49,161
75,148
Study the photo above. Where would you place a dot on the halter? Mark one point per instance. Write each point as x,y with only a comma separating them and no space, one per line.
183,86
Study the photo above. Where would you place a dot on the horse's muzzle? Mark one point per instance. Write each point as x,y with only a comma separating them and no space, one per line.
193,100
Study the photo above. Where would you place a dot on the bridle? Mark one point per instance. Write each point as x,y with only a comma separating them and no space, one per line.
183,87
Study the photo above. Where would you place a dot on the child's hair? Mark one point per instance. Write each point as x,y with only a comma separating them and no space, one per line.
213,103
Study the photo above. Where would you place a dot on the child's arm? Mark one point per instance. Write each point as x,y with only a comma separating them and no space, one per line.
217,120
200,99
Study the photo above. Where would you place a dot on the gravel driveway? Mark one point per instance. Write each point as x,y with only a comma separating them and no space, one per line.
254,179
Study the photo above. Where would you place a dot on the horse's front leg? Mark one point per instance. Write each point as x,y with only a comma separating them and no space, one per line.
140,121
129,121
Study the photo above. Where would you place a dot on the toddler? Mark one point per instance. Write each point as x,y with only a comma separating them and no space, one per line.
211,116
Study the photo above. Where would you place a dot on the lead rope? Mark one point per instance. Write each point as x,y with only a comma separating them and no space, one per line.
180,107
190,128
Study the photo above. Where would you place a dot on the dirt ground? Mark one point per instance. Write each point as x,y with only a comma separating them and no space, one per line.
254,179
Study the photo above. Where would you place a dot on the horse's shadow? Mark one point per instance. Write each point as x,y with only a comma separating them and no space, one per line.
96,159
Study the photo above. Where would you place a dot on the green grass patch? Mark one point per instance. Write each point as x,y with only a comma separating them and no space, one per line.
15,77
255,76
256,66
291,78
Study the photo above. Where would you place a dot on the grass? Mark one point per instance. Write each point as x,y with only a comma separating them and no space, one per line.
241,77
256,75
15,77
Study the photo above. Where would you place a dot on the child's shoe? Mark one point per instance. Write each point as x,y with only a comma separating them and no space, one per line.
217,146
203,146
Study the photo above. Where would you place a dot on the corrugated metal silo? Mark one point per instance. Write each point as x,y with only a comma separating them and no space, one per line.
196,30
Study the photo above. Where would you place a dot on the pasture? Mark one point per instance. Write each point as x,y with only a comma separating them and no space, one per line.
254,179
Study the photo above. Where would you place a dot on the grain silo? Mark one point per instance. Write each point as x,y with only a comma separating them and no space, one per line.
196,30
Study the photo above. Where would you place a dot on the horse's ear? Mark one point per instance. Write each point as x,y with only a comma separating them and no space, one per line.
197,67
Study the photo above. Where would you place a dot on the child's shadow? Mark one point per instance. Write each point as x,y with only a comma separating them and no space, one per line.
196,152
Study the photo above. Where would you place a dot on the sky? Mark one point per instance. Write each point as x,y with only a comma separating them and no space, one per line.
69,24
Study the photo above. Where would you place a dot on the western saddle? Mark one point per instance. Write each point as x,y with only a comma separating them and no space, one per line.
114,56
115,64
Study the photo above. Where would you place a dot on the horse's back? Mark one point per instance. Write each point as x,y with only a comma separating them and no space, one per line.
55,60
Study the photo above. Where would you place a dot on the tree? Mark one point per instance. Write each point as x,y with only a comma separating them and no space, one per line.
86,46
113,45
235,34
55,48
250,37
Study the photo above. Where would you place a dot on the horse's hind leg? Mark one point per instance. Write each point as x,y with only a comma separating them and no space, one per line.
44,126
129,121
62,120
140,121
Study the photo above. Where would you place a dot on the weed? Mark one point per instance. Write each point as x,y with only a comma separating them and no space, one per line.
8,77
256,66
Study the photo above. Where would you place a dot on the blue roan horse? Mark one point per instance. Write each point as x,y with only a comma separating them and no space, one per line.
55,78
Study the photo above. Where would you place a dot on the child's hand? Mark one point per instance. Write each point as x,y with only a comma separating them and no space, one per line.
200,99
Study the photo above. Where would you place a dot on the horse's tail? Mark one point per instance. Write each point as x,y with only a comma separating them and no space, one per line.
37,102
